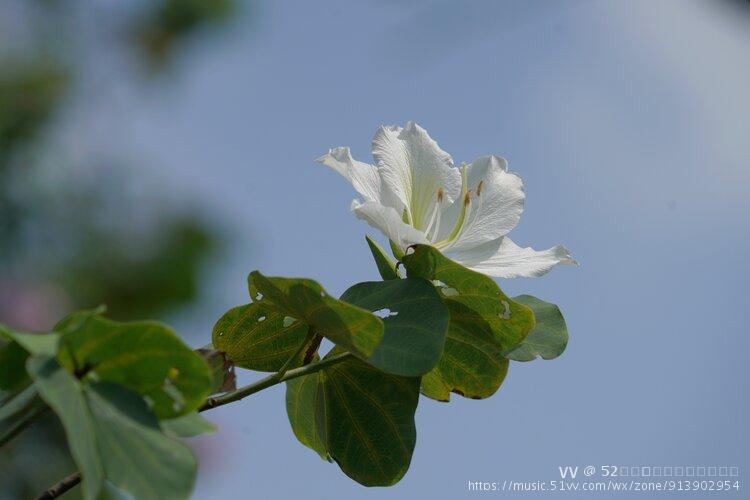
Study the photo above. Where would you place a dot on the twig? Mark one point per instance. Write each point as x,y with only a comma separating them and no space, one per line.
61,487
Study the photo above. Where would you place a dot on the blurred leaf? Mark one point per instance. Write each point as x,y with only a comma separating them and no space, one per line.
549,337
17,409
223,376
351,327
258,336
365,419
135,284
29,93
162,368
113,436
188,425
137,457
12,366
386,265
33,343
484,323
173,20
64,394
415,323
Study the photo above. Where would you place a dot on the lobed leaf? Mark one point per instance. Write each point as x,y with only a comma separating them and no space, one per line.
415,320
472,364
351,327
258,336
304,395
484,323
358,415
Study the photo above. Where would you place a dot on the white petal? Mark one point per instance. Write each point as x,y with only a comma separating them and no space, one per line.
363,176
504,259
414,167
496,206
388,221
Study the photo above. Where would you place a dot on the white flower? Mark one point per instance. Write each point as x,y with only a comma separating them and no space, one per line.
415,194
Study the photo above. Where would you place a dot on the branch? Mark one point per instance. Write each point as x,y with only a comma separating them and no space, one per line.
19,426
61,487
272,380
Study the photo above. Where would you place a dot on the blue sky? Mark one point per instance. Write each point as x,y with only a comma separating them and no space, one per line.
628,122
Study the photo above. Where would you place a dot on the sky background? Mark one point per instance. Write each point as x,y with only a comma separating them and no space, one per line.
629,123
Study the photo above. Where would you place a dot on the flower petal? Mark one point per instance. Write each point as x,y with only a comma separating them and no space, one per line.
388,221
497,202
502,258
414,167
363,176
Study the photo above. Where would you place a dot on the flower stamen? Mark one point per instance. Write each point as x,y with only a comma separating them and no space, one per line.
435,217
465,207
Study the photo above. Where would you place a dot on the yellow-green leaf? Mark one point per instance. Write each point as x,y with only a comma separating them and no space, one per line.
484,323
353,328
258,336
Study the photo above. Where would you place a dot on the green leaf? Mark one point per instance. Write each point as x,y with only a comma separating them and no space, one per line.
64,394
386,265
188,425
472,364
223,376
351,327
145,357
258,336
364,419
415,324
303,397
113,436
76,319
549,337
482,299
13,366
484,323
137,457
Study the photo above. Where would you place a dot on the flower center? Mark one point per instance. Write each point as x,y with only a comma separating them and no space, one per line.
465,207
463,221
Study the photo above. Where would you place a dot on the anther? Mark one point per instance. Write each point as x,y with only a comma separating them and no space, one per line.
479,189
